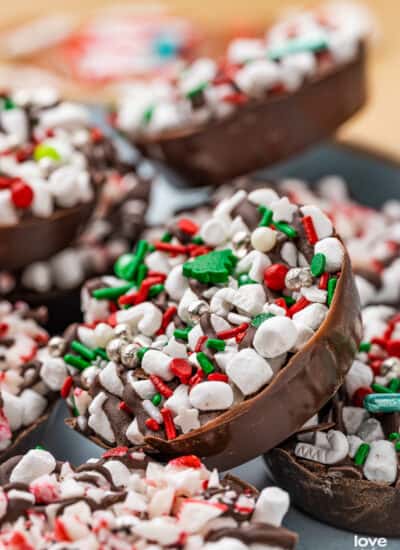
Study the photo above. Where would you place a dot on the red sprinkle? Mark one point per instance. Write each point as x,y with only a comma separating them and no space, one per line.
323,281
187,461
393,348
281,303
309,229
274,276
18,541
188,226
167,318
170,430
96,134
127,299
233,332
6,182
159,274
60,532
376,366
142,293
160,386
298,306
199,343
217,377
235,98
360,394
181,368
66,387
196,378
3,329
21,194
197,250
117,451
381,342
152,424
124,407
112,320
171,248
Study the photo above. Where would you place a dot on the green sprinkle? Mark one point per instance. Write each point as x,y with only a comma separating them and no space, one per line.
197,90
378,388
394,436
394,385
197,240
318,264
148,114
365,346
244,279
141,352
361,455
100,352
182,333
8,104
122,265
287,229
259,319
76,361
84,351
39,448
266,219
205,363
141,249
215,343
155,290
397,446
289,300
141,274
297,45
331,289
167,237
156,399
112,292
75,411
45,151
382,402
214,267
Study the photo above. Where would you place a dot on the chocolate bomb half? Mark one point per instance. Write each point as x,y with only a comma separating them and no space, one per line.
358,489
125,498
219,340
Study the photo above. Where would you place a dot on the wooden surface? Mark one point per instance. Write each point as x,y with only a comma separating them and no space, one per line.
378,125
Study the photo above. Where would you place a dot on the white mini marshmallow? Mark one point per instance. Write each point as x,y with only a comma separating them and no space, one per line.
146,317
33,464
312,315
134,434
211,396
110,380
249,371
256,78
255,264
13,409
358,376
98,420
176,284
353,417
271,506
37,277
8,215
289,253
34,405
156,362
249,299
214,232
263,197
370,430
275,336
53,372
381,462
333,250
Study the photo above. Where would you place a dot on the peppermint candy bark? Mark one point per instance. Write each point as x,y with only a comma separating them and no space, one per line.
52,163
30,377
216,120
353,445
203,335
125,500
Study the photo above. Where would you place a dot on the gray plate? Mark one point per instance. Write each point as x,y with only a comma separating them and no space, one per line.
373,180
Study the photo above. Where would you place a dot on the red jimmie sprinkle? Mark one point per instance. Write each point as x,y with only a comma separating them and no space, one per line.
197,250
66,387
160,386
281,303
18,541
5,182
188,226
376,366
235,98
309,229
359,395
96,134
117,451
274,276
124,407
323,281
217,377
231,333
298,306
167,318
152,424
200,342
171,248
393,348
196,378
187,461
181,368
3,329
169,426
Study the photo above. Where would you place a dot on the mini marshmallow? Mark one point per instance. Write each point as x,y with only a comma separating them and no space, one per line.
37,277
110,380
176,284
381,463
256,78
33,464
13,410
53,371
255,263
359,375
275,336
211,396
370,430
213,232
312,316
133,433
333,250
98,420
353,417
272,505
249,371
263,197
157,362
33,405
249,299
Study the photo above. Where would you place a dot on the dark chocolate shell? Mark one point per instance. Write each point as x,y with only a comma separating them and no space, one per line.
264,132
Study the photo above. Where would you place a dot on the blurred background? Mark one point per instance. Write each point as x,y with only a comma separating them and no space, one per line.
74,43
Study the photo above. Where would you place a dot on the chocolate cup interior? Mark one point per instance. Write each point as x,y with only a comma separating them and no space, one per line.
357,505
264,132
36,239
297,392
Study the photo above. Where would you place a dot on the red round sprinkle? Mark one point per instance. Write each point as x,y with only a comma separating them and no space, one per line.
152,424
187,461
66,387
181,368
21,195
359,395
117,451
96,134
274,276
188,226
